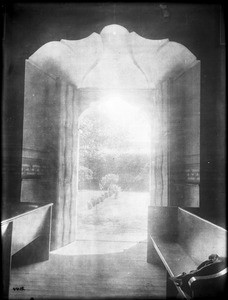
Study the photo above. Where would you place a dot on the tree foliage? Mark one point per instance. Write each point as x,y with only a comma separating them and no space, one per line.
85,175
105,148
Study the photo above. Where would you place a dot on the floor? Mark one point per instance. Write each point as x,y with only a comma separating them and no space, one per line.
91,269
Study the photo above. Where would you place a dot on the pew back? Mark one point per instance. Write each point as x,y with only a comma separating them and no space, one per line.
199,237
181,241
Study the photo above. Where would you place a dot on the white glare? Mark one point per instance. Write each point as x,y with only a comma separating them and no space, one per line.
128,117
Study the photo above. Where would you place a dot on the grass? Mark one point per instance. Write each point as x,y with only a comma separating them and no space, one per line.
113,219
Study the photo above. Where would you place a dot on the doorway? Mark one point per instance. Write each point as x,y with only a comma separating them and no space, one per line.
114,172
57,75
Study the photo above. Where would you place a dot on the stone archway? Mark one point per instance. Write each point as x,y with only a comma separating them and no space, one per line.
63,78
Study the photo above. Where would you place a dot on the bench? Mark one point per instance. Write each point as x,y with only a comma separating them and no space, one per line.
181,241
25,230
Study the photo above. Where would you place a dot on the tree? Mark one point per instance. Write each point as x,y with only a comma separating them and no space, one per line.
105,148
85,176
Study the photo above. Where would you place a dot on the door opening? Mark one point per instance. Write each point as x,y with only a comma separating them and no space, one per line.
114,171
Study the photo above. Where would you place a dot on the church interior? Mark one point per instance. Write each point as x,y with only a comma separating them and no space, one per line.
168,60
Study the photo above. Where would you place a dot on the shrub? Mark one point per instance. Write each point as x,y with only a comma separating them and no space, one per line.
107,180
114,189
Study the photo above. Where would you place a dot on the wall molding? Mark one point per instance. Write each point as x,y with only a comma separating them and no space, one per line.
33,168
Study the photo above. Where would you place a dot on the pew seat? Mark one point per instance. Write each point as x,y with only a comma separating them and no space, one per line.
181,240
26,233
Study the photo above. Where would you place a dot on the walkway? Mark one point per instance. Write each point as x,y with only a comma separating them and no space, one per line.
90,269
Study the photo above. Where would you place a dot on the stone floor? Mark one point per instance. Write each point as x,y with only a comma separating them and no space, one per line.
91,269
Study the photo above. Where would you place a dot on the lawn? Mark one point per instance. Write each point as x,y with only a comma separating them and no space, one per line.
122,219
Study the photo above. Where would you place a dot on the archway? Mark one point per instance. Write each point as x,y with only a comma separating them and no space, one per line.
63,78
114,171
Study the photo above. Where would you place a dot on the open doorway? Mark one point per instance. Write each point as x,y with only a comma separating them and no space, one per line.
64,78
114,171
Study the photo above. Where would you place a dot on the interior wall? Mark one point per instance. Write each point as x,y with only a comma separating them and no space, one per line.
28,27
49,156
184,137
40,145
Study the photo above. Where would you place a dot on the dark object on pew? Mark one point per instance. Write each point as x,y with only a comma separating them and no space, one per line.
208,280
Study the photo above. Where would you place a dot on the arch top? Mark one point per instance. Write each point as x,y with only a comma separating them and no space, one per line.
114,29
115,58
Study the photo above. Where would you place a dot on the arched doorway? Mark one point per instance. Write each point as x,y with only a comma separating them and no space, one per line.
114,172
62,79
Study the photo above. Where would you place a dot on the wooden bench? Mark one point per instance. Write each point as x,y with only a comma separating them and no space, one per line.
181,241
25,230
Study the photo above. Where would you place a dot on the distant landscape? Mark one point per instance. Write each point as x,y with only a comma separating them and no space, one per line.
122,219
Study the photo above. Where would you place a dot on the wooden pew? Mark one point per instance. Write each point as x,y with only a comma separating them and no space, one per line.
25,230
181,241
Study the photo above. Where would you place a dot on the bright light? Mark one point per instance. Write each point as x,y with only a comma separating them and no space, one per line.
116,108
128,117
93,247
